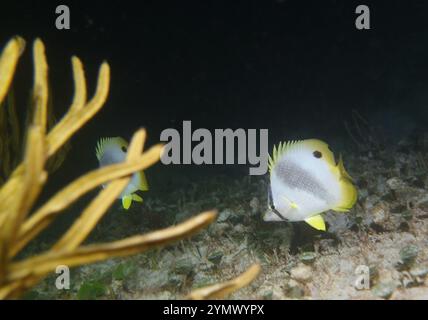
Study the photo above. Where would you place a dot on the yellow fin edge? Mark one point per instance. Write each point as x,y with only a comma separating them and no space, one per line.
349,196
278,151
102,142
126,201
144,186
342,170
349,191
316,222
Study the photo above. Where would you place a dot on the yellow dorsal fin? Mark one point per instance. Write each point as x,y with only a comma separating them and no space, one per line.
278,152
126,201
103,143
312,144
316,222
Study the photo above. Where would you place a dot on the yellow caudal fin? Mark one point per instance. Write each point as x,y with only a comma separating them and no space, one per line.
126,201
143,185
348,191
348,198
316,222
137,198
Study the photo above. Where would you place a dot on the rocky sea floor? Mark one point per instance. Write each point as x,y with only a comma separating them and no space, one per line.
386,233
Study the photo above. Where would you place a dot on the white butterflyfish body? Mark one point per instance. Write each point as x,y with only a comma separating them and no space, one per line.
113,150
305,181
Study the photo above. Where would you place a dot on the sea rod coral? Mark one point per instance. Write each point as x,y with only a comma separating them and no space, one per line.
19,223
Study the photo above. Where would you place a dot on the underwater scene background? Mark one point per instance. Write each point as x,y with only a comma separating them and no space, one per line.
300,69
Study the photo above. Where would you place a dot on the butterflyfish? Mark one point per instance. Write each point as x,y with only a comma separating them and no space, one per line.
113,150
306,181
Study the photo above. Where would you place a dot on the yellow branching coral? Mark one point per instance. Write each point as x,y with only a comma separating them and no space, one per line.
8,61
13,125
19,223
221,290
8,116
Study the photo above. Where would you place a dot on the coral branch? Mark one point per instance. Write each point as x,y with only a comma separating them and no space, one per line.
78,115
40,89
221,290
8,60
33,268
48,212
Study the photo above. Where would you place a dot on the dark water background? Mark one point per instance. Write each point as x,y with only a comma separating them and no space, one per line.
297,68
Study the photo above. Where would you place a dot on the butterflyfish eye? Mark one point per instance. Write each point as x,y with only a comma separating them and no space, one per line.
317,154
123,149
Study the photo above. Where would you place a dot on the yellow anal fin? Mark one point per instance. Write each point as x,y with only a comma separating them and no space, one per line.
137,198
126,201
316,222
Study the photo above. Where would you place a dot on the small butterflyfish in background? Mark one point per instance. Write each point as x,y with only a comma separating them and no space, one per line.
113,150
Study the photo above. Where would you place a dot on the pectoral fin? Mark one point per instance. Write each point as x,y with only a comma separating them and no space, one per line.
126,201
292,204
316,222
